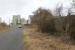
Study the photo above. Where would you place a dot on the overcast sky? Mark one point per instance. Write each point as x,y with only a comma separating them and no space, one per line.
25,7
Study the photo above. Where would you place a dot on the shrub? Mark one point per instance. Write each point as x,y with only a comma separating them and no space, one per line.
44,19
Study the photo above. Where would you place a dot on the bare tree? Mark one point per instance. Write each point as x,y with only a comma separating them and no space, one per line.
58,9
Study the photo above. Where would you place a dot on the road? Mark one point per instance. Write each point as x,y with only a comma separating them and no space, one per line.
11,40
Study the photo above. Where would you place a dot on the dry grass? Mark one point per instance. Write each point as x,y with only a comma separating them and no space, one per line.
2,28
34,40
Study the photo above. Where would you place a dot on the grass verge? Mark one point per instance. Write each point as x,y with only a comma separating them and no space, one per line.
34,40
3,29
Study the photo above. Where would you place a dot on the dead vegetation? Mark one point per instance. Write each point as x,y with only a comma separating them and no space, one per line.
34,40
3,27
54,33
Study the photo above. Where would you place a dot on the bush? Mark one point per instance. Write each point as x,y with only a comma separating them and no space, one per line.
44,19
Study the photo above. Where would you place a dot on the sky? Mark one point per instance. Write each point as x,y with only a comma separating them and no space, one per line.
8,8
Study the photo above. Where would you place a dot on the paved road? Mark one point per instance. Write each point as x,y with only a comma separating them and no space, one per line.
11,40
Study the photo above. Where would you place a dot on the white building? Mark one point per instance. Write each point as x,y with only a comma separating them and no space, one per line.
16,19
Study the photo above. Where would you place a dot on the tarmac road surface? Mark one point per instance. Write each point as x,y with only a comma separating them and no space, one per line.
11,40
